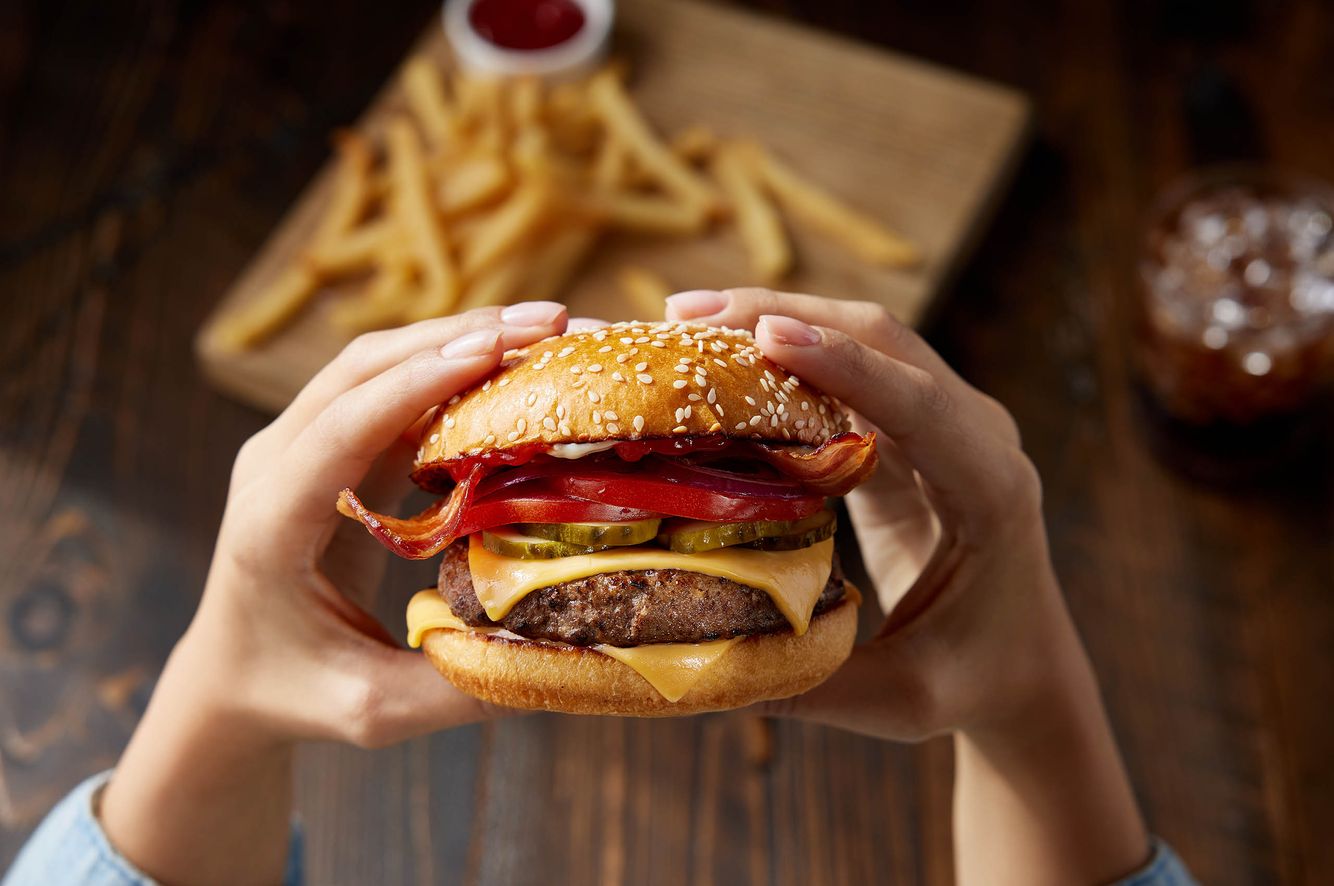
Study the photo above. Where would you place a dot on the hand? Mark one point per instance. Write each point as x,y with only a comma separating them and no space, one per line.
950,526
282,647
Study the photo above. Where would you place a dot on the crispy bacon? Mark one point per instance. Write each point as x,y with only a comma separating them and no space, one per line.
836,468
426,534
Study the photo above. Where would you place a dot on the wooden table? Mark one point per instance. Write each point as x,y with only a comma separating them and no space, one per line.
144,155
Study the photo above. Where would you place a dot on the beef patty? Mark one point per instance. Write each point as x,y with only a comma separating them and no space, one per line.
629,608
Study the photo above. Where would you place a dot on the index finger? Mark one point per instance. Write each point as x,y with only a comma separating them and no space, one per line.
973,474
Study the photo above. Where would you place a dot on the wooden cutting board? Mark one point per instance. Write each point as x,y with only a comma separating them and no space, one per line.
927,150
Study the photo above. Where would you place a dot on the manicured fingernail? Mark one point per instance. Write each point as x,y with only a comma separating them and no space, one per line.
697,303
587,323
787,331
474,344
532,313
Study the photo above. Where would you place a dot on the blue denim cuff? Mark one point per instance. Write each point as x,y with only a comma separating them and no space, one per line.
70,847
1163,869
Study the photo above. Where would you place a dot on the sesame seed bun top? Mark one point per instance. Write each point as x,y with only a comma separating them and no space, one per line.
632,381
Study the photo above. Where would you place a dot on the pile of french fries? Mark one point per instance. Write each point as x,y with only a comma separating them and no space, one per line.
482,191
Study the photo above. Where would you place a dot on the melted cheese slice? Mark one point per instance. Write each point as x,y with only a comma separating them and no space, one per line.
670,668
793,579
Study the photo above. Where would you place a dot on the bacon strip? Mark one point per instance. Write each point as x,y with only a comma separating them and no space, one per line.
836,468
423,536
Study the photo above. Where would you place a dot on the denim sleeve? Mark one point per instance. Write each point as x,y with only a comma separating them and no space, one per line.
69,848
1163,869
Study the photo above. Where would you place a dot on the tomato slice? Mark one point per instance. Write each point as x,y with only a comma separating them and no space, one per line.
664,496
543,507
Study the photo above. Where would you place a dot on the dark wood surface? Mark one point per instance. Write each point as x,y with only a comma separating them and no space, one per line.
147,148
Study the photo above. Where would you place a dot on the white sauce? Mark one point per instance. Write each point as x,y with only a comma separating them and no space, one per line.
578,450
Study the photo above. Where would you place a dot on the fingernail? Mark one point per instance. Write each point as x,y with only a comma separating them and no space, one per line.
697,303
532,313
587,323
474,344
787,331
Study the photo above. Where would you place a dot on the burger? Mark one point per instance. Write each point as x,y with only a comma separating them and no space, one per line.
633,521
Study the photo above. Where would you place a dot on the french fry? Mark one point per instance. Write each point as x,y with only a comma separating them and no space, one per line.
351,186
611,165
639,213
412,205
645,290
525,104
623,121
272,309
756,218
471,183
356,251
425,95
554,262
862,235
695,144
502,232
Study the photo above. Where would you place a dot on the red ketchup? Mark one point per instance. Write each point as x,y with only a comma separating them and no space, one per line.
526,24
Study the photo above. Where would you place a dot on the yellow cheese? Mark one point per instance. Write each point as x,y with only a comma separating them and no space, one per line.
670,668
427,610
794,579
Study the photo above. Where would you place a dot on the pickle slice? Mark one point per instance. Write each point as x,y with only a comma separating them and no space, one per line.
697,536
508,542
633,532
803,538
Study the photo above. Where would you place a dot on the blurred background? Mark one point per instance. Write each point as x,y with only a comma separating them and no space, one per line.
1120,228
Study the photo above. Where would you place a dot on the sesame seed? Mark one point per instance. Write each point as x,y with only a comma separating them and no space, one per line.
801,424
512,436
522,425
754,420
722,363
627,341
597,417
560,411
694,398
659,344
616,376
640,367
490,438
823,410
435,438
715,428
454,399
787,435
701,381
782,409
794,381
566,351
633,351
740,426
688,408
713,396
449,422
681,367
750,400
548,423
565,429
575,370
805,405
643,339
720,409
645,378
593,395
680,383
596,367
503,382
639,422
530,399
547,355
680,429
539,366
621,358
679,413
604,349
613,428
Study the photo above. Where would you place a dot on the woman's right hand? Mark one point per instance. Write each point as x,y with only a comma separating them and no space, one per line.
950,526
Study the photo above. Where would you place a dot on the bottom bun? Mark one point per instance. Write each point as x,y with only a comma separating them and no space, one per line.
578,680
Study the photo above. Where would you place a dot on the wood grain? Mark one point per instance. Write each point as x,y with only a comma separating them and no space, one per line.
146,153
926,149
